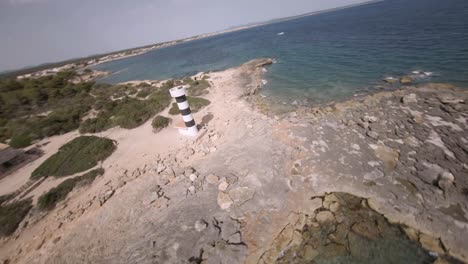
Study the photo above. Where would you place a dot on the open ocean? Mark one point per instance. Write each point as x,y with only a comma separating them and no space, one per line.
328,56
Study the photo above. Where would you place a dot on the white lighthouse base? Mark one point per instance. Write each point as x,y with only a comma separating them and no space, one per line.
189,131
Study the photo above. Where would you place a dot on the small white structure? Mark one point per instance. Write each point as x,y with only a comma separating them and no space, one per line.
190,128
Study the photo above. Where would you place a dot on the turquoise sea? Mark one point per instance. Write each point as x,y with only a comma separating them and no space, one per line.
328,56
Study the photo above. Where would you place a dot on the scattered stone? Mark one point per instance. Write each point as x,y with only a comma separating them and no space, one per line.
409,98
188,171
366,229
390,80
387,155
351,123
313,205
450,99
309,253
224,200
193,177
249,126
406,80
330,199
370,119
325,217
431,243
192,189
441,261
446,175
201,225
223,186
212,179
105,196
334,207
373,134
235,238
364,125
374,175
411,233
160,168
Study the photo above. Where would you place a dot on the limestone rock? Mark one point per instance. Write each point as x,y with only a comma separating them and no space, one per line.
368,230
406,80
374,175
370,119
223,186
313,205
390,80
411,233
235,238
450,99
431,243
373,134
441,261
160,168
106,196
329,199
201,225
409,98
309,253
224,200
212,179
193,177
241,195
191,189
388,156
325,217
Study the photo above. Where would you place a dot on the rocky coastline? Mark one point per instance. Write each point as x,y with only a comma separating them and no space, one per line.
314,184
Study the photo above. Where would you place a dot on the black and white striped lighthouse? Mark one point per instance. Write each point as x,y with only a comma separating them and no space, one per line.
190,128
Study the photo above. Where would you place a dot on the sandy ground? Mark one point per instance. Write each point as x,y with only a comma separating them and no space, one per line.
233,194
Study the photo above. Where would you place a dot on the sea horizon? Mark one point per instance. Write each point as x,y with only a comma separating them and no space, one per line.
327,56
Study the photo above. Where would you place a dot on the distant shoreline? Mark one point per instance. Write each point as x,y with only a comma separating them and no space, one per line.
85,62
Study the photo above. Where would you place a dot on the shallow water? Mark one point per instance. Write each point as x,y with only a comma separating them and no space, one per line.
328,56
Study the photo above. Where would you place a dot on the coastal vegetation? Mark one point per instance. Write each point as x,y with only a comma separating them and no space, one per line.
160,122
11,216
78,155
197,87
48,200
196,103
35,108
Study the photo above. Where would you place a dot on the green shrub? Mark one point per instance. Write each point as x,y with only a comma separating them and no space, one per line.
160,122
21,140
94,125
49,200
143,93
78,155
11,216
127,113
195,103
5,197
198,87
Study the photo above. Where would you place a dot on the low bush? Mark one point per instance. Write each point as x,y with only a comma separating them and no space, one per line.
127,113
49,200
198,87
160,122
78,155
195,103
5,197
11,216
143,93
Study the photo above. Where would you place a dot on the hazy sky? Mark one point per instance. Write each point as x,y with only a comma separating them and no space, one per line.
38,31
